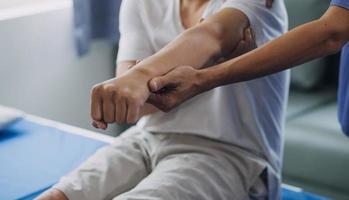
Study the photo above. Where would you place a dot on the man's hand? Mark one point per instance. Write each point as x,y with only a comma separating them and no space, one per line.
183,83
120,99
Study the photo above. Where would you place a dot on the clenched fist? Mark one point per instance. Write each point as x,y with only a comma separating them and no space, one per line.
120,99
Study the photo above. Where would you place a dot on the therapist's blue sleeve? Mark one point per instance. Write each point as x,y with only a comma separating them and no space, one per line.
343,91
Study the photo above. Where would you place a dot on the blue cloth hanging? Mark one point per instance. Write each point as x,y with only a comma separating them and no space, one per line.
95,19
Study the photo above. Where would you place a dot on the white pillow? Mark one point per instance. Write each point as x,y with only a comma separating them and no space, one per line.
8,116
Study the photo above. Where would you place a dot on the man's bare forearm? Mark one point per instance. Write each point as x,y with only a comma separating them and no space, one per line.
123,67
316,39
215,37
121,99
203,44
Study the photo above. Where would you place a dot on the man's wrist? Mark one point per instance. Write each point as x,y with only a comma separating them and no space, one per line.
143,72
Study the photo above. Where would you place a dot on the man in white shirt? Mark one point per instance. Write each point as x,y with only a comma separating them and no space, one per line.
224,144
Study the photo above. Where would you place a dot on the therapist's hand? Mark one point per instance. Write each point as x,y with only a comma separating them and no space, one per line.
175,87
120,99
183,83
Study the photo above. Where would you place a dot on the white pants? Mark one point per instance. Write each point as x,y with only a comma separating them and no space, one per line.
153,166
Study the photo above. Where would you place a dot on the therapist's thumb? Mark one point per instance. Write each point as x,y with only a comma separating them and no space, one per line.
157,83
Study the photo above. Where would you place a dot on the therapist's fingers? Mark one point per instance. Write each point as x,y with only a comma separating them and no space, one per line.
247,44
250,39
158,83
157,101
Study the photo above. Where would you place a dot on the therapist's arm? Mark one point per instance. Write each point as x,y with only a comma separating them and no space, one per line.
315,39
120,99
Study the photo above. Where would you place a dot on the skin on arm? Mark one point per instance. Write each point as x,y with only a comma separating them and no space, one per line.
120,99
215,37
184,82
304,43
123,67
313,40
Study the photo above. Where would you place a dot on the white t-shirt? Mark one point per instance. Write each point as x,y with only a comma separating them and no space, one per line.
250,114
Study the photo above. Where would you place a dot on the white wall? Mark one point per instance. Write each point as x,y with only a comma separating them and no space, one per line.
40,72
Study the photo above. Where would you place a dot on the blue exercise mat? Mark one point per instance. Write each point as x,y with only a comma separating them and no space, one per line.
33,157
293,195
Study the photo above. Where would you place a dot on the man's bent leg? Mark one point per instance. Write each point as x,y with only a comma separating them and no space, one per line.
111,171
191,176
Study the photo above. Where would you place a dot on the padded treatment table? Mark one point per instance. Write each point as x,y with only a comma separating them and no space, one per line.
35,153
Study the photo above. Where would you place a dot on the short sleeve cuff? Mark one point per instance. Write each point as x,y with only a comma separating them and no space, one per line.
340,3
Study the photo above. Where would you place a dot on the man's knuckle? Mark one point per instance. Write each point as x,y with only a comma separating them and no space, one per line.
96,89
